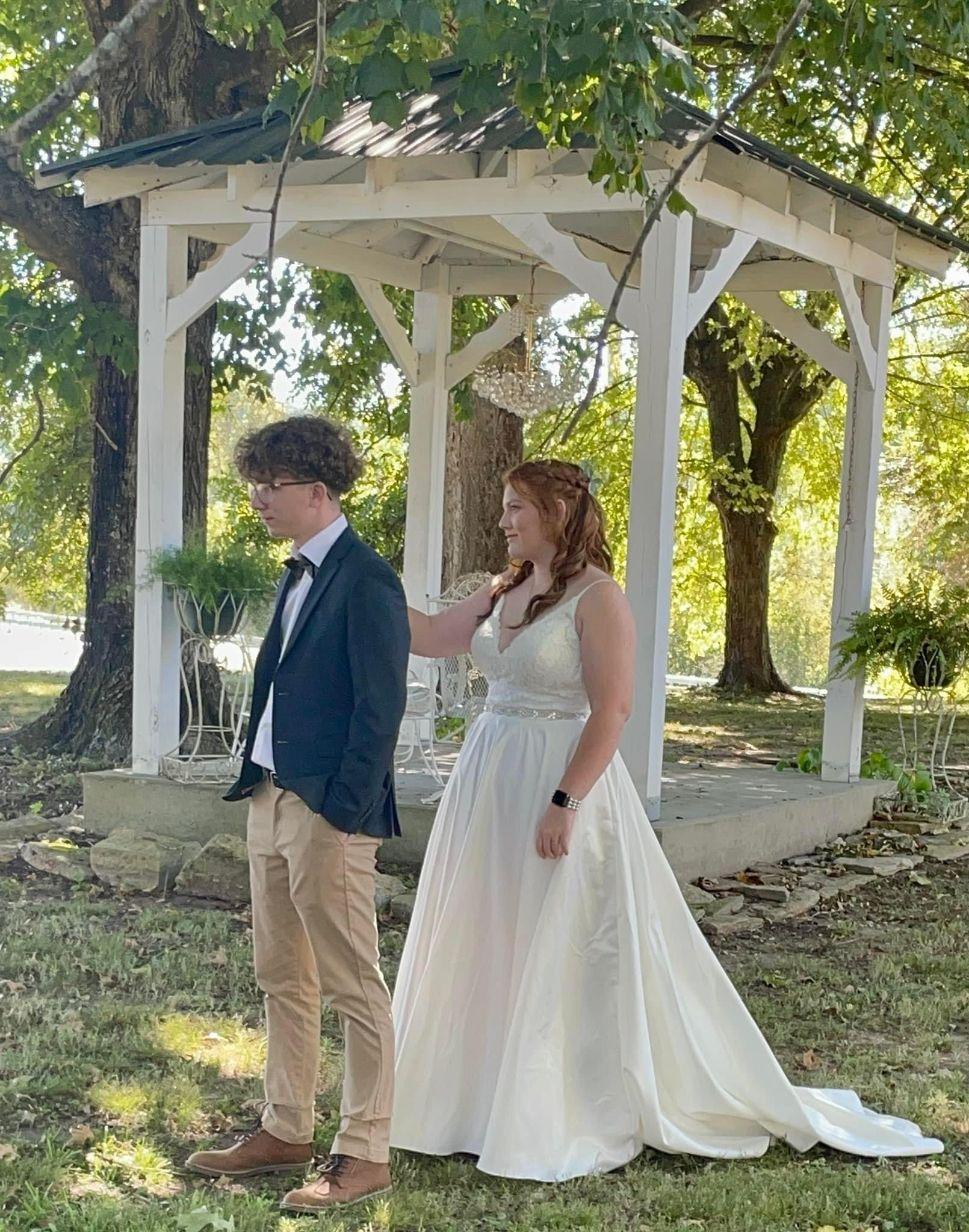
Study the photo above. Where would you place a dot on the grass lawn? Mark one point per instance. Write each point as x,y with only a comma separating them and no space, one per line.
130,1034
25,695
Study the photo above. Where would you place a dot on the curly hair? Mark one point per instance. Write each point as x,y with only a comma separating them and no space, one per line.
303,446
579,534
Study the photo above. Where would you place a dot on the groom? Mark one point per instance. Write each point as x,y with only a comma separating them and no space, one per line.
328,698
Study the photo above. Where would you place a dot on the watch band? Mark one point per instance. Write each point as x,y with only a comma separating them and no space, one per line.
564,800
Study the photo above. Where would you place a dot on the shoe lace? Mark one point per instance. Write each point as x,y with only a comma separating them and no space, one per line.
334,1166
253,1131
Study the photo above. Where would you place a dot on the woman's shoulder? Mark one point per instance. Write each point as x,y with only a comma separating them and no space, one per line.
600,597
596,581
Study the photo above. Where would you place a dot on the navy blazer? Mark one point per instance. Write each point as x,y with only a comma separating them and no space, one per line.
339,692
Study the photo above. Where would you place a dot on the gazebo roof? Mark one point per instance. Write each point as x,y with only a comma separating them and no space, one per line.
434,127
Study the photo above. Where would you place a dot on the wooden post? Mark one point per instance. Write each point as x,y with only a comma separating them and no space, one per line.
424,533
158,524
662,316
844,705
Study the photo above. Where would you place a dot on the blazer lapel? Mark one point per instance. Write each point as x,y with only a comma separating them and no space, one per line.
273,639
324,576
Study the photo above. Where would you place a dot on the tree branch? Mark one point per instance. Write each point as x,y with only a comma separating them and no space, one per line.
38,433
113,47
57,228
316,80
709,133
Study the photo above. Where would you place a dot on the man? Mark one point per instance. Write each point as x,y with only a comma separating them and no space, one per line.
328,698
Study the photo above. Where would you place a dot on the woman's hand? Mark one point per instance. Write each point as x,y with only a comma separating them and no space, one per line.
554,832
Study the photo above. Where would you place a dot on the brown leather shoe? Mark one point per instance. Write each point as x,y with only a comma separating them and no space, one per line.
343,1181
258,1151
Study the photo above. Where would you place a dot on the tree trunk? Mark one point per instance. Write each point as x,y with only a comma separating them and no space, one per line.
747,542
782,390
93,715
177,75
748,535
479,450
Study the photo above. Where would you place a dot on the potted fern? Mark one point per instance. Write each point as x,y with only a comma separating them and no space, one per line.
921,630
212,587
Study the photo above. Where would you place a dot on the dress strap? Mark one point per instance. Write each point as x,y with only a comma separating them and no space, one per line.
579,593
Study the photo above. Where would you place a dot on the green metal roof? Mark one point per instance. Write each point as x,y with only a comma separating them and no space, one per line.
433,126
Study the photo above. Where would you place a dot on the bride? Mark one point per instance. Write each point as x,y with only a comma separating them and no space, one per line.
557,1009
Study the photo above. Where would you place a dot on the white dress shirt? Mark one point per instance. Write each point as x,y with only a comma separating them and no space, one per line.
314,549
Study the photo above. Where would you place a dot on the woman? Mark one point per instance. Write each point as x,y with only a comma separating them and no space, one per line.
557,1009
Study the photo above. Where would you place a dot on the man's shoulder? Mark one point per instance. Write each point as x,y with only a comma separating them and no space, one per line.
367,562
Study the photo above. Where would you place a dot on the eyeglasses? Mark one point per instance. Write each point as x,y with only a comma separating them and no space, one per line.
264,491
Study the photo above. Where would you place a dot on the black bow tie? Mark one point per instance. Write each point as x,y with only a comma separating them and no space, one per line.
298,565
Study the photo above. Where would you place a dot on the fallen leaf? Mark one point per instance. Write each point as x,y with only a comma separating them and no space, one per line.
810,1060
8,1152
81,1135
218,958
12,986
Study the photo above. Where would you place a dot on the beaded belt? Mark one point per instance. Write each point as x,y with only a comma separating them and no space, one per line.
529,712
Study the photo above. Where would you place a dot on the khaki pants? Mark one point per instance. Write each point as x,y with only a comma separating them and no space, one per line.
315,938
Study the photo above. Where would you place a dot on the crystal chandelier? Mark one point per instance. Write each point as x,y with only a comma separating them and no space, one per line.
514,381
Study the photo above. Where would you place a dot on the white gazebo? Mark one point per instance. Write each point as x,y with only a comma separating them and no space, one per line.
446,207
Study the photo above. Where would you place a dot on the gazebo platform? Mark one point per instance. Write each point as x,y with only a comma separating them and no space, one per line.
716,817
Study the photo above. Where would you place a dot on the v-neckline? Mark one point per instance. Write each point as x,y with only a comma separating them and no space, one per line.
557,608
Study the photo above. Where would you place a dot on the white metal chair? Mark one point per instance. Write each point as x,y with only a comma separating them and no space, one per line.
417,729
447,688
462,687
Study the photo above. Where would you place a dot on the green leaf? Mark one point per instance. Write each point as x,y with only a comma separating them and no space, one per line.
418,74
354,17
381,74
421,17
678,204
389,109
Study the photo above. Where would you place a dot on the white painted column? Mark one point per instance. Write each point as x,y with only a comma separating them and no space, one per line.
844,705
158,524
662,315
424,532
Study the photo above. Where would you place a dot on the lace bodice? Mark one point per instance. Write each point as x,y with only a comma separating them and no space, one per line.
541,667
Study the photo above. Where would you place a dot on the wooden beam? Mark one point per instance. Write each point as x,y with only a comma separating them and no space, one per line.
707,283
782,275
562,254
504,329
858,329
923,255
812,204
474,242
728,208
472,279
526,164
104,184
427,199
351,259
213,281
793,325
243,182
393,333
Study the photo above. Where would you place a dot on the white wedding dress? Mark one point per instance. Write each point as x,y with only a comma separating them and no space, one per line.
554,1017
